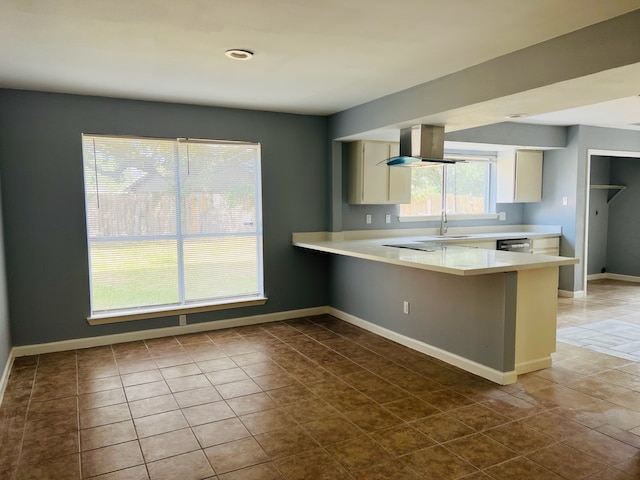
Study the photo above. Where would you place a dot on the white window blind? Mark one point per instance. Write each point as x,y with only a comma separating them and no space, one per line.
171,222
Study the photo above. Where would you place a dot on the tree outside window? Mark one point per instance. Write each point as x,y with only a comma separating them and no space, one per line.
460,188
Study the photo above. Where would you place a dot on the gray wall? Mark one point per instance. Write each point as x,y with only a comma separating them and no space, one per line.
559,175
599,139
565,174
44,220
623,256
439,316
353,216
598,216
557,60
547,63
5,331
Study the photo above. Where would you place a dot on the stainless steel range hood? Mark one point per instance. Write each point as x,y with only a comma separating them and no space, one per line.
420,146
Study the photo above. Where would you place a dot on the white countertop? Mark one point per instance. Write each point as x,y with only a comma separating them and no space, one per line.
445,257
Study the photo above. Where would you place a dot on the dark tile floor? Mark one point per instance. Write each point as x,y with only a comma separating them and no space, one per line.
315,398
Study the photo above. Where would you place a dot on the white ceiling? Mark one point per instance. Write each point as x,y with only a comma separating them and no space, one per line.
311,56
618,113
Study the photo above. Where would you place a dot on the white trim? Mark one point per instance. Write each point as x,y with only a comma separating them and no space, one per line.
596,276
502,378
587,192
570,294
614,276
533,365
613,153
4,380
144,313
78,343
624,278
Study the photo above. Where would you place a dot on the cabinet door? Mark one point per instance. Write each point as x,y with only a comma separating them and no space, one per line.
519,176
399,179
528,176
547,246
375,178
506,168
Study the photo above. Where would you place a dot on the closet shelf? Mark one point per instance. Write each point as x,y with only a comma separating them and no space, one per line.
609,187
620,188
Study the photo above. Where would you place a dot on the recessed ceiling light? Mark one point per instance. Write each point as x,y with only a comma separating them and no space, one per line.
239,54
517,115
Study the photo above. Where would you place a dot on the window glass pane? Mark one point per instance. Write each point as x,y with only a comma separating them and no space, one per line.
130,274
218,188
171,222
130,186
467,187
426,191
220,267
460,188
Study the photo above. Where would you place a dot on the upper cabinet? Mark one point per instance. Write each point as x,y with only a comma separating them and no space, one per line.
519,176
370,183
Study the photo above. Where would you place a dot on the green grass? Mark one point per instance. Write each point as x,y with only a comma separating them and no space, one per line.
131,274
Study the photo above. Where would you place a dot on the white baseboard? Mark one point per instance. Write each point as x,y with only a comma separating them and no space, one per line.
613,276
624,278
78,343
570,294
533,365
4,380
502,378
596,276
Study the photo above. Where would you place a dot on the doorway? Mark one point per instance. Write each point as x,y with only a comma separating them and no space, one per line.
603,187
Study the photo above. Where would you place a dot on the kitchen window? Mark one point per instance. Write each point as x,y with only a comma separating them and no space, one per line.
462,189
173,225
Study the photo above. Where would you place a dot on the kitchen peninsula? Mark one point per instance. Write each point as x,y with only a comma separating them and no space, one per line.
489,312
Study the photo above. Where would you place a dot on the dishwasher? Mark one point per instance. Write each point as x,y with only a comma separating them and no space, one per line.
522,245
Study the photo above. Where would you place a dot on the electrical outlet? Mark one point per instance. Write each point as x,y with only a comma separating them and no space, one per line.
387,218
405,307
502,216
367,219
182,320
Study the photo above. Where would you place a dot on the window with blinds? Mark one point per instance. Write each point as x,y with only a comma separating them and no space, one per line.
171,222
462,188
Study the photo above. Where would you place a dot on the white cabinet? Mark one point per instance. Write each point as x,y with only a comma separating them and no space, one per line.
370,183
546,246
519,176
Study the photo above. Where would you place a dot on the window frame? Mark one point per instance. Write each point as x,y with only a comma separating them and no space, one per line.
98,317
490,158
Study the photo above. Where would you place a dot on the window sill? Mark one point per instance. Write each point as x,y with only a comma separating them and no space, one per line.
142,314
433,218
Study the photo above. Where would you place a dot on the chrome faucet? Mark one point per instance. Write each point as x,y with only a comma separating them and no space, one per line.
443,223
